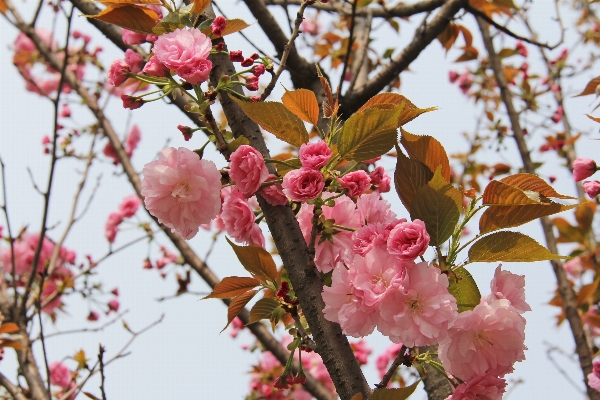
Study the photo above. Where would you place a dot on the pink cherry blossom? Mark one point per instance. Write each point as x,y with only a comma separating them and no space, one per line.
314,155
361,351
594,376
592,188
218,26
408,240
390,353
132,140
117,73
110,152
113,305
60,375
185,51
371,236
372,209
50,290
134,60
129,206
583,168
487,340
420,311
238,220
355,183
507,285
181,190
574,267
24,251
247,169
303,184
273,194
111,227
155,68
130,37
380,179
485,387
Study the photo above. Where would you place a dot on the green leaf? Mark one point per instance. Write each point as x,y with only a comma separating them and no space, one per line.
256,260
438,205
237,304
409,177
263,309
237,142
395,393
464,289
177,19
275,118
509,247
369,133
232,286
427,150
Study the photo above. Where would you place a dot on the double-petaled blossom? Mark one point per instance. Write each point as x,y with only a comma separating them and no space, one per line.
594,376
373,209
592,188
314,155
420,311
509,286
355,183
129,206
408,240
181,190
372,236
60,375
237,218
24,249
303,184
185,51
132,140
273,193
485,387
118,72
380,179
247,169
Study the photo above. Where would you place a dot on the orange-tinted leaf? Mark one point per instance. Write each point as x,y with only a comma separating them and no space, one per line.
289,158
132,17
498,217
256,260
3,7
505,3
233,286
263,309
200,6
112,2
357,396
9,327
237,304
275,118
587,291
509,247
470,53
466,35
499,193
326,88
303,103
592,319
448,36
11,343
567,232
409,177
395,393
533,183
90,396
233,25
593,118
389,100
427,150
584,215
590,88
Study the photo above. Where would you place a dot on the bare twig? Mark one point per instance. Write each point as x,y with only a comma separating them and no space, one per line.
101,352
399,360
8,229
349,48
286,51
88,330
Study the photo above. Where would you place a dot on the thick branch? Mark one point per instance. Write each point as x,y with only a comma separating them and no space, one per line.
423,37
332,344
14,391
564,287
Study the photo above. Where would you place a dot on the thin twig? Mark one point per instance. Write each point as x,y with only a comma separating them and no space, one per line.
87,330
101,351
399,360
286,51
349,48
8,229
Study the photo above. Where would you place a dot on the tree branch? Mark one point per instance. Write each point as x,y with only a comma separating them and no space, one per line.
14,391
564,287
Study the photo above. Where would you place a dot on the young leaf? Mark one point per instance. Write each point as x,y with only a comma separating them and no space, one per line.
567,232
502,194
584,215
256,260
369,134
275,118
263,309
395,393
509,247
303,103
237,304
587,291
389,100
409,177
232,286
498,217
590,88
464,289
9,327
427,150
132,17
530,182
177,19
357,396
326,87
107,2
200,6
438,205
11,343
233,25
90,396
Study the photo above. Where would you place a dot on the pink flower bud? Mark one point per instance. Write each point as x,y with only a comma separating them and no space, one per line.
218,26
583,168
93,316
247,62
252,83
134,60
131,102
236,56
115,291
117,74
452,76
113,305
592,188
130,37
258,70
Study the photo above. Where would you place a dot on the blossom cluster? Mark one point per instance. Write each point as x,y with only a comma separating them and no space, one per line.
583,168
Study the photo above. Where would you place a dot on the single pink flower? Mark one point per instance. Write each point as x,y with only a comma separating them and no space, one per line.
181,190
380,179
314,155
134,60
594,376
583,168
355,183
50,290
117,73
521,48
111,227
372,208
574,267
132,140
60,375
247,169
238,220
24,251
371,236
129,206
485,387
131,102
511,287
155,68
487,340
273,194
218,26
408,240
420,311
361,351
592,188
130,37
310,26
303,184
185,51
110,152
